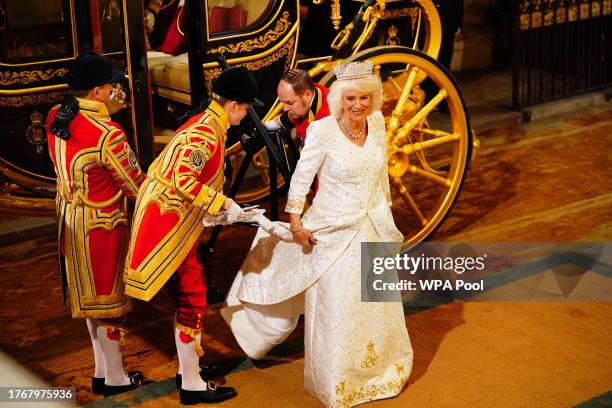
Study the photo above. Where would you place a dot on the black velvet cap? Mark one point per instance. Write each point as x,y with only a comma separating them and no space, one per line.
90,70
237,84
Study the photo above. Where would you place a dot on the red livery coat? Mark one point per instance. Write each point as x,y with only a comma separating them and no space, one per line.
96,170
183,184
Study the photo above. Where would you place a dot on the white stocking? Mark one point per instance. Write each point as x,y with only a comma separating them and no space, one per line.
113,358
100,365
189,363
176,339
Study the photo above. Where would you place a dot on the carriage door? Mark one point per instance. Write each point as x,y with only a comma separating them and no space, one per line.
39,40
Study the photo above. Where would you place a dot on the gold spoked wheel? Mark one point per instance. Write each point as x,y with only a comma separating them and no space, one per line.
429,146
427,32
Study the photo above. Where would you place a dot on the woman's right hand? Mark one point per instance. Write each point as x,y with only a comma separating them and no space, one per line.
304,238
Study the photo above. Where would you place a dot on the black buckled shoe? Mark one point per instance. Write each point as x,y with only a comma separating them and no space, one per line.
136,379
211,395
207,372
97,385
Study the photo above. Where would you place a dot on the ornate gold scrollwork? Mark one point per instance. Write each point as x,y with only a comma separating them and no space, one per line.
409,11
260,42
210,75
27,77
412,12
285,50
347,398
28,100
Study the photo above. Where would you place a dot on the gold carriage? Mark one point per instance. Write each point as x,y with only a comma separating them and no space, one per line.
429,148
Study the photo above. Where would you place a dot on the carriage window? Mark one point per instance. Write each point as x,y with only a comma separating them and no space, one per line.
34,30
232,15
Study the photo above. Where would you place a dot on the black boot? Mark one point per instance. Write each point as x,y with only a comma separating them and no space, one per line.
97,385
211,395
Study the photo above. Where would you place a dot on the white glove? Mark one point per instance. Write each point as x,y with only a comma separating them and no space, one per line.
272,125
234,214
149,20
277,229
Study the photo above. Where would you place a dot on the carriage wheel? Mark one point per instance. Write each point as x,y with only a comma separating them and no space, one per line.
256,183
429,151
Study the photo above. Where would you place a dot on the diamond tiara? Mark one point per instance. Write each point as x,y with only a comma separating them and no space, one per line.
353,70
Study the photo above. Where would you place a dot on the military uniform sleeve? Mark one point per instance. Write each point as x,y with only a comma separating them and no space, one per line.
311,159
121,161
200,147
285,121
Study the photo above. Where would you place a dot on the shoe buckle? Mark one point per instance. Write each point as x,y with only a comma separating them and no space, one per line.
136,377
212,385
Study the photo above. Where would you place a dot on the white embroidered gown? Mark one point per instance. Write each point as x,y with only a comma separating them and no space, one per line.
355,351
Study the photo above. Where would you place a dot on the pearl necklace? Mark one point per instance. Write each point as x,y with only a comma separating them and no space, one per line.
348,130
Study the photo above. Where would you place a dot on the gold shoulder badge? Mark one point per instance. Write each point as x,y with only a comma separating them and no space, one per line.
197,159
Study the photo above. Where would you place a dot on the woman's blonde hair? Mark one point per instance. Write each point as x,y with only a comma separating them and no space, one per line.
368,84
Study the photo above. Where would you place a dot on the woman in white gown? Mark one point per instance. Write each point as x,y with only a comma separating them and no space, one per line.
355,351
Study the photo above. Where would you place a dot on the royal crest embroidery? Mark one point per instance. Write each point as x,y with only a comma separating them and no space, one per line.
370,358
197,159
132,160
35,134
340,388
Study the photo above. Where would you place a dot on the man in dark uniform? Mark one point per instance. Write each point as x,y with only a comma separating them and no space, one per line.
304,101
